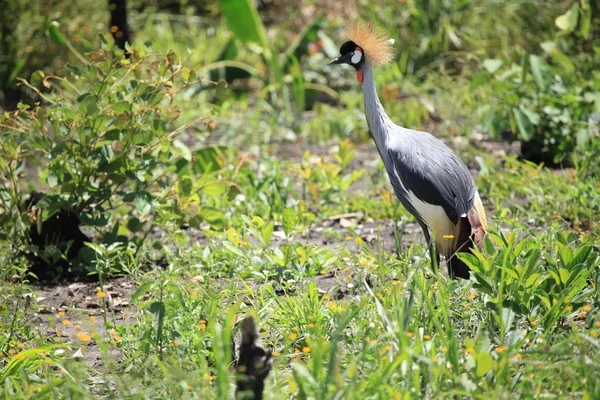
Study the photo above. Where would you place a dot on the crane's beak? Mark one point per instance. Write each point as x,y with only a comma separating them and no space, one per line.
345,59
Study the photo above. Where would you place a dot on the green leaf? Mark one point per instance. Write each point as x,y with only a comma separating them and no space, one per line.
531,280
564,275
98,220
143,202
290,220
54,34
566,255
37,77
208,159
585,19
533,117
484,364
185,186
214,217
122,106
52,180
142,290
540,71
188,74
88,105
244,21
134,225
478,80
267,233
524,124
568,21
216,189
233,236
492,65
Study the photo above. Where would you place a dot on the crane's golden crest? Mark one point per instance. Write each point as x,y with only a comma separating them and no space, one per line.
373,40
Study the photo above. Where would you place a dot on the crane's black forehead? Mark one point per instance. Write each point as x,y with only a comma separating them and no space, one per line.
348,47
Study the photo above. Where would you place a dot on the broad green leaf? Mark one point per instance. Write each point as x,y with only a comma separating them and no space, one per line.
185,186
134,224
98,220
233,236
568,21
188,74
533,117
208,159
121,106
301,254
37,77
566,255
267,233
214,217
52,180
216,189
524,125
142,290
564,275
88,105
290,220
478,80
540,71
531,280
244,21
492,65
484,364
143,202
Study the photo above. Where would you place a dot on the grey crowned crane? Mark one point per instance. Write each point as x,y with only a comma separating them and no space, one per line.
430,181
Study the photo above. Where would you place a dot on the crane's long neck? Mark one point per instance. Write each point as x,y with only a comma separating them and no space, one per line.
377,119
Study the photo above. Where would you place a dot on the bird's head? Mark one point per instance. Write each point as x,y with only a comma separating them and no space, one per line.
351,54
368,44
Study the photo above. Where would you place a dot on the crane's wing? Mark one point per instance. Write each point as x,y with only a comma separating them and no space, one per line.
434,174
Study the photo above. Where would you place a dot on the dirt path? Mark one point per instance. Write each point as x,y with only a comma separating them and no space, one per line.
70,312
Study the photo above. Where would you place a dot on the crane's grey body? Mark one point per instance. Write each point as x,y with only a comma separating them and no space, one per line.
431,182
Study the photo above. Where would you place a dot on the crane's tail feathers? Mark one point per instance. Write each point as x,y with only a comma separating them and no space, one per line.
457,268
478,221
473,229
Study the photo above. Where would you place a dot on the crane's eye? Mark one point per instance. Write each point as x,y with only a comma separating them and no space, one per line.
356,56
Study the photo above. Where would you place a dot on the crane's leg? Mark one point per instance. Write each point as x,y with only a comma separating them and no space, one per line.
433,254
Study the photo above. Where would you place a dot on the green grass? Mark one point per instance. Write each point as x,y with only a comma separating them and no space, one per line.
345,319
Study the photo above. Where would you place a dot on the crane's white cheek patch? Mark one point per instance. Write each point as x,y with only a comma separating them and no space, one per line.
356,57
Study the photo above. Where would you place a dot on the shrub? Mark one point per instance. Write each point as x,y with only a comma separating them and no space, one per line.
550,102
102,142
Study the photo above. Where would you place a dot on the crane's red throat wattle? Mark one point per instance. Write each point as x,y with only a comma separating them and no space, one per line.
359,76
